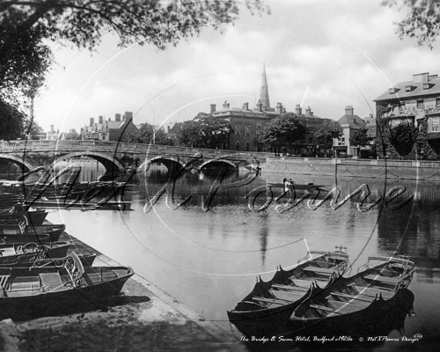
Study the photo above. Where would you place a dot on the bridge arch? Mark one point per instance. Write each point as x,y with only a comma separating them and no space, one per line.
171,162
111,165
25,166
214,162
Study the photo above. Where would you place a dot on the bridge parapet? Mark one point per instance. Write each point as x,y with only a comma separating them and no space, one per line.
118,147
25,153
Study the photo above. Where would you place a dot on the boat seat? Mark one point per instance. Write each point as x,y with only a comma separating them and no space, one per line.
7,252
373,292
280,302
303,283
347,307
98,277
4,281
51,281
289,287
25,283
384,279
360,297
315,269
324,308
288,296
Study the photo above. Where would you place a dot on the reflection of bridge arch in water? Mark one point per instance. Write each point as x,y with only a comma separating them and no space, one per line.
24,166
217,162
176,163
171,162
111,165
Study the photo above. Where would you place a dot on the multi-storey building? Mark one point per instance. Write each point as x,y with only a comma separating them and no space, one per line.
350,124
416,102
412,102
108,130
248,124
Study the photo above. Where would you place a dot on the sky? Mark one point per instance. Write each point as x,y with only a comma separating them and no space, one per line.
318,53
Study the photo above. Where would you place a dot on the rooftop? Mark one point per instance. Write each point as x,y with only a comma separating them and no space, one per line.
422,84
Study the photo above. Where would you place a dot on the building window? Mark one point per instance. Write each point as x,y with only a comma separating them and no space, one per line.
420,104
237,130
435,124
258,125
237,145
258,135
437,102
341,141
247,131
247,146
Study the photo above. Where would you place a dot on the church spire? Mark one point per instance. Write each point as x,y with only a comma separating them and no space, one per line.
264,90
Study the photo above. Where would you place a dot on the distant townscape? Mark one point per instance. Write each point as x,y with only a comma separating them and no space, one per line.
407,127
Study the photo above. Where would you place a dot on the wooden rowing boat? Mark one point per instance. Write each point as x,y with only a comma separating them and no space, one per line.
33,217
260,309
357,305
284,309
14,253
19,231
58,262
44,291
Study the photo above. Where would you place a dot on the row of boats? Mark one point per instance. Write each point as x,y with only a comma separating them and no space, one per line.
315,298
50,192
41,275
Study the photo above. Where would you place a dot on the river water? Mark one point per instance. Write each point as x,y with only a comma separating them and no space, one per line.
208,251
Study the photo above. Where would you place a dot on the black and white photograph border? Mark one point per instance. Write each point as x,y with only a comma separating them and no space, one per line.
243,175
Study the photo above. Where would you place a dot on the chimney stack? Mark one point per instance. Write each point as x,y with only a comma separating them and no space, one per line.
100,119
212,108
259,105
51,129
91,121
298,110
118,117
279,108
246,106
225,105
128,116
349,110
421,77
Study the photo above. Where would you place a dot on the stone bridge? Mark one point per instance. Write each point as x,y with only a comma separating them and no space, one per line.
118,156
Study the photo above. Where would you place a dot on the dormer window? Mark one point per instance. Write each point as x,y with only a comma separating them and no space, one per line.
391,91
427,86
409,88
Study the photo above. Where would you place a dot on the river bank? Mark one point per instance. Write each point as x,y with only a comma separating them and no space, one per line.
142,318
369,168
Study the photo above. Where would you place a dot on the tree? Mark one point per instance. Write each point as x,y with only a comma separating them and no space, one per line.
11,121
26,26
422,21
31,130
148,134
204,131
213,131
189,134
285,130
403,137
329,130
361,138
